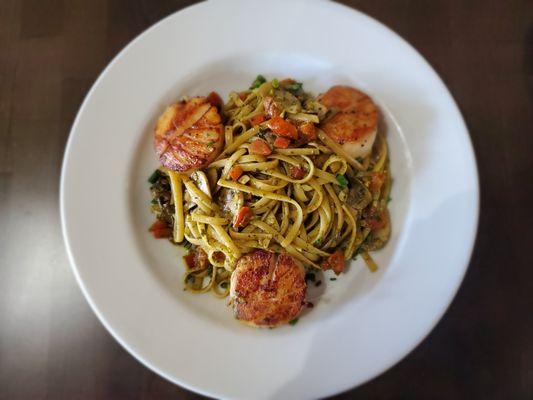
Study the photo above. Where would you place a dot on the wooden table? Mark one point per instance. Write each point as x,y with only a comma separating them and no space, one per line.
51,344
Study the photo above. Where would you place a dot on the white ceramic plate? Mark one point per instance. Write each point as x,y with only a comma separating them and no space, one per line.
363,323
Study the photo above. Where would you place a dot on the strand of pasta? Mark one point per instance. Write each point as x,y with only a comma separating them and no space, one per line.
338,149
230,161
279,238
350,248
198,196
382,154
338,207
177,194
293,230
239,140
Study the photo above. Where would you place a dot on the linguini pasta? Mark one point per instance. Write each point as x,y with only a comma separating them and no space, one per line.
309,200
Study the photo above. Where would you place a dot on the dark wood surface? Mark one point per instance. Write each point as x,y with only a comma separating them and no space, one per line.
51,344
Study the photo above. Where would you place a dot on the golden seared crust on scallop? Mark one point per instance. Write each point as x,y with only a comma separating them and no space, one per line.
189,135
267,289
355,124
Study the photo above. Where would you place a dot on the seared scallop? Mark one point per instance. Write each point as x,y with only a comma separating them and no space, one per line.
355,124
267,289
189,135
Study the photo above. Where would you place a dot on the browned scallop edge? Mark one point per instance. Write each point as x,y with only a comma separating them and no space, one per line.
269,290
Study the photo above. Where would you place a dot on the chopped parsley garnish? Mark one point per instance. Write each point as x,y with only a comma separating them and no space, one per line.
224,285
343,182
318,242
154,201
293,321
186,244
294,87
310,277
259,80
154,177
389,199
332,279
275,83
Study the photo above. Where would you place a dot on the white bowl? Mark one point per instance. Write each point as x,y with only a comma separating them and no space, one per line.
363,323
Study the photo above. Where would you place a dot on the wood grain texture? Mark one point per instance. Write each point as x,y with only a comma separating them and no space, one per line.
51,344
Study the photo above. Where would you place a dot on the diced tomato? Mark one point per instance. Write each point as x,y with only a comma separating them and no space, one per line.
158,225
296,172
189,260
308,131
160,230
377,180
243,96
162,234
235,172
256,120
375,224
243,217
260,147
215,100
196,259
375,220
219,256
335,262
282,143
282,128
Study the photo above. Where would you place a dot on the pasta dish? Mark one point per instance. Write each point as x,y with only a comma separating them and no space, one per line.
267,187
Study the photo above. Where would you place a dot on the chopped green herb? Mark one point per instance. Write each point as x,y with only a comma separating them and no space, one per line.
259,80
318,283
343,182
154,177
154,201
318,242
224,285
275,83
332,279
295,87
389,199
310,277
293,321
186,244
356,253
